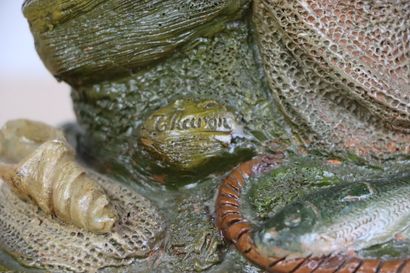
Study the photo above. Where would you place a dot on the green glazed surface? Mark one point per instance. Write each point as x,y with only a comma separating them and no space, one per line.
130,61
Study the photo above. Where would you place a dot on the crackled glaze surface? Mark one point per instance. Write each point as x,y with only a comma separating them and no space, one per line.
327,76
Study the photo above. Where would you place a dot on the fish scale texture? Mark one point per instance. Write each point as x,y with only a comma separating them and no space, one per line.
42,241
340,71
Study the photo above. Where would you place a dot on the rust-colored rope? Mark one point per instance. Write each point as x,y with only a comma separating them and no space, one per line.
238,230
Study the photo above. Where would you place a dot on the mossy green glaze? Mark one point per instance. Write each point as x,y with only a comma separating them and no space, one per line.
127,59
224,66
85,41
188,133
45,15
264,195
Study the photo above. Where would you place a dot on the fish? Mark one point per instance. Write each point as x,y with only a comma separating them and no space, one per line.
339,220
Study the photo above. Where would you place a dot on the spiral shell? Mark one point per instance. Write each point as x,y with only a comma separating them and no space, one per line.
59,186
35,239
90,234
20,137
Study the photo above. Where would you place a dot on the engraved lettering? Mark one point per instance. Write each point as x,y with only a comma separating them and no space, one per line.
160,124
220,122
185,123
206,122
179,123
227,124
179,120
192,124
212,123
198,123
173,121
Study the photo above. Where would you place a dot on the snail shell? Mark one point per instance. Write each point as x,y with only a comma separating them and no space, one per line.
59,186
20,137
186,133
